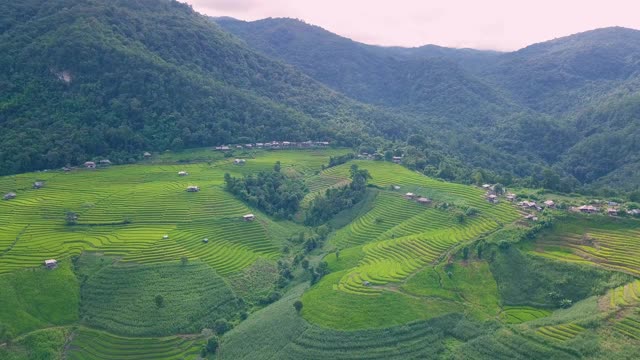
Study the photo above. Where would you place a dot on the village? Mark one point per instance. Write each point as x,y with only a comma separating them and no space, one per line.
493,194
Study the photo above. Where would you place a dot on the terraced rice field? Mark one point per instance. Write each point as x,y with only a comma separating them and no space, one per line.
627,295
126,211
601,241
629,326
561,333
120,298
90,344
520,314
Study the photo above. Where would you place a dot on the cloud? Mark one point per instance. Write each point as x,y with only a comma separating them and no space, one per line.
487,24
225,5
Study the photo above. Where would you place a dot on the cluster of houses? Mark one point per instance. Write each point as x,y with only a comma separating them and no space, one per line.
275,145
417,198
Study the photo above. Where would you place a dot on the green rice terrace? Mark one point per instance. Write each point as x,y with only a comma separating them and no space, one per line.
178,257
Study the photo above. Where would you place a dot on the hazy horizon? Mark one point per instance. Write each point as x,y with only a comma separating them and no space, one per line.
491,25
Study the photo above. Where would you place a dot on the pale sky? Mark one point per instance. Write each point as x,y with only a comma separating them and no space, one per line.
480,24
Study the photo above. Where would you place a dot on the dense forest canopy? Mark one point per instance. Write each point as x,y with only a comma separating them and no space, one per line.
90,79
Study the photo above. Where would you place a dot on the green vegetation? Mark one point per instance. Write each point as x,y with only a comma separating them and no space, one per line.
156,300
92,344
384,277
596,240
37,298
272,192
334,200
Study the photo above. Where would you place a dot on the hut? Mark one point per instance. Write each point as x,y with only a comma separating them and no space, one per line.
182,173
409,196
193,188
239,161
397,159
396,187
146,154
9,196
105,162
492,198
587,209
249,217
38,184
66,169
550,204
90,165
165,237
51,263
612,211
511,197
423,201
366,283
205,240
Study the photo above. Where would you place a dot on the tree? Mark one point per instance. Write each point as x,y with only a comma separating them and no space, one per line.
277,166
184,260
388,155
212,344
297,305
159,300
221,326
71,218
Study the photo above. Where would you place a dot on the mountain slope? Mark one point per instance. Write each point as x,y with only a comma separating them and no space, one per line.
561,75
429,80
82,78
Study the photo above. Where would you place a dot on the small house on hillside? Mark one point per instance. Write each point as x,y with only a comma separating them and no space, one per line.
612,211
396,187
492,198
409,196
259,145
38,184
66,169
634,212
51,263
105,162
146,154
249,217
423,201
9,196
588,209
205,240
193,188
182,173
239,161
397,159
486,186
165,236
550,203
90,165
511,197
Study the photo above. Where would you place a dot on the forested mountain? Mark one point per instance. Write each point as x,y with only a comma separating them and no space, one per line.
83,78
428,80
90,78
566,106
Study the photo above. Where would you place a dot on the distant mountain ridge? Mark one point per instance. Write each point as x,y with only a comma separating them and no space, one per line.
527,103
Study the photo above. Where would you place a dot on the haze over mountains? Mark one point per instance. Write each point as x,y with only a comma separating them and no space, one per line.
88,78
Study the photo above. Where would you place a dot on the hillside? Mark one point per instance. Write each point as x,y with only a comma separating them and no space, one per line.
146,269
427,79
517,107
85,78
